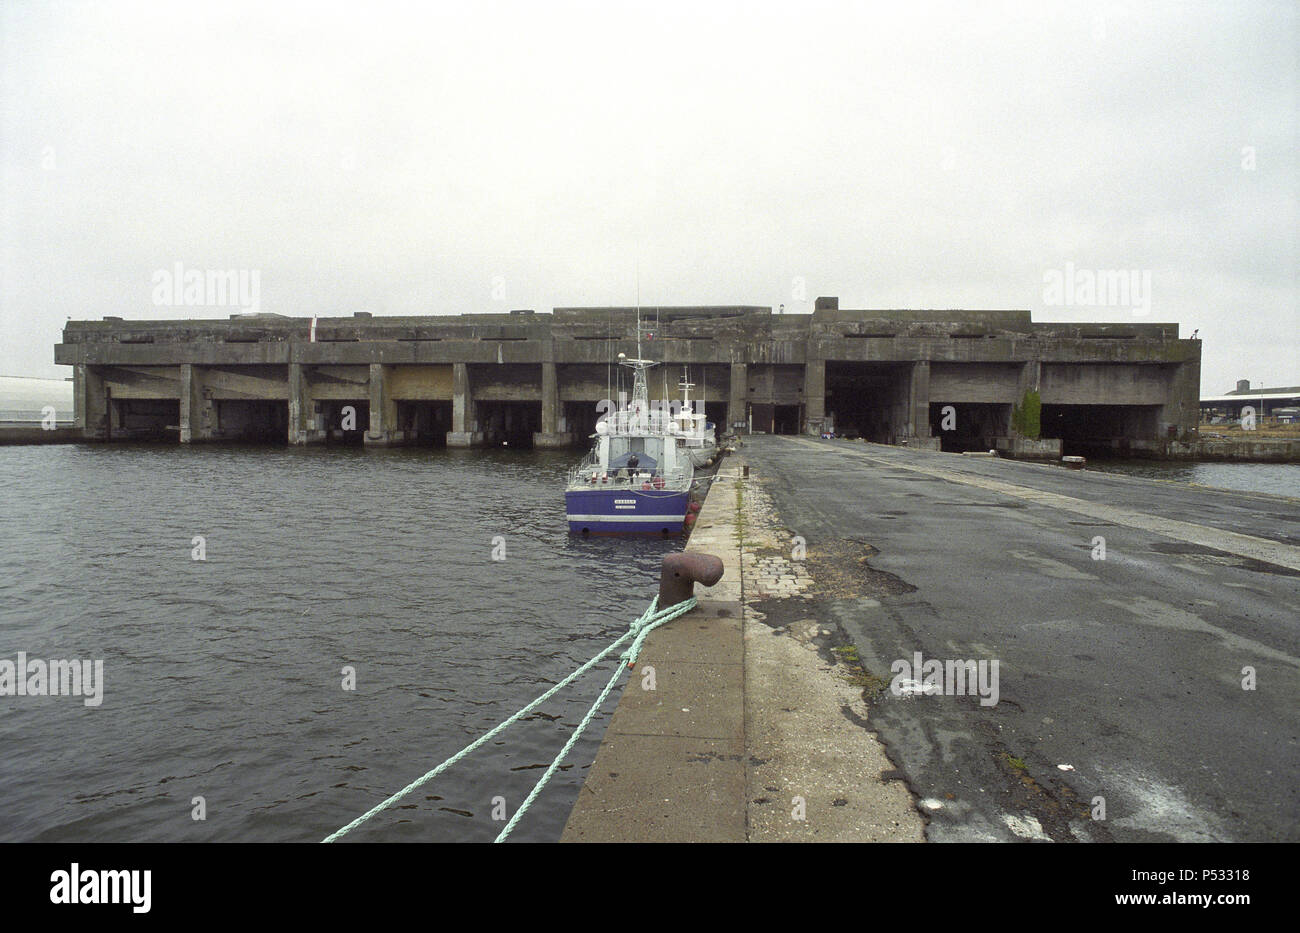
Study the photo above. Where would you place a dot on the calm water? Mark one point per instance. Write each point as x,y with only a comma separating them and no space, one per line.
223,678
1280,479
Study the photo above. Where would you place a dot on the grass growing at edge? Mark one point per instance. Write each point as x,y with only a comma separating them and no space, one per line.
740,513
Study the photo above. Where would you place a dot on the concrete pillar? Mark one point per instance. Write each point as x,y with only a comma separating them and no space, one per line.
189,409
464,424
550,435
297,402
814,395
383,430
738,402
196,411
1179,417
304,427
550,399
79,397
918,400
90,402
114,416
1031,377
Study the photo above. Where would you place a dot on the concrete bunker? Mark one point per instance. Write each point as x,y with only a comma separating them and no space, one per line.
478,379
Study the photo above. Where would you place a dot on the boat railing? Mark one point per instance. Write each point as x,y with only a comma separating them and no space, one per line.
632,421
581,477
589,463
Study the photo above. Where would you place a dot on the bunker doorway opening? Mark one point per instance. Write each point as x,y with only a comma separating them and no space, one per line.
424,423
1100,430
510,424
143,419
973,426
345,421
252,421
869,400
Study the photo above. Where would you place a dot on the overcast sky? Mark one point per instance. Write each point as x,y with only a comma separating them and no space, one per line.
438,159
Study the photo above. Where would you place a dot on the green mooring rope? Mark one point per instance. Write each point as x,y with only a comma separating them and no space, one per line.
649,620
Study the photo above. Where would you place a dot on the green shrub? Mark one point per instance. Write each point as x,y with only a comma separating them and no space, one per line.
1027,417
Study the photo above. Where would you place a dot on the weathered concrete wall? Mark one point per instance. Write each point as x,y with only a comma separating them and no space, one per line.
738,398
421,383
994,383
1275,449
344,383
246,382
590,382
1114,384
518,383
814,394
11,433
920,389
775,384
1023,448
142,381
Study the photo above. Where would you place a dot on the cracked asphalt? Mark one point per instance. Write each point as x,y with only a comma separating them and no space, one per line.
1121,713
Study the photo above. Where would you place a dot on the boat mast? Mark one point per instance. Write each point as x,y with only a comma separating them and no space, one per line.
686,385
640,401
640,387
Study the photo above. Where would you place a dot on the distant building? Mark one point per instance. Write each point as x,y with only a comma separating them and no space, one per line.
1266,402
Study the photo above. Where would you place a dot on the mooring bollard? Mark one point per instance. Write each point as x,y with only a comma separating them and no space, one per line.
745,471
681,571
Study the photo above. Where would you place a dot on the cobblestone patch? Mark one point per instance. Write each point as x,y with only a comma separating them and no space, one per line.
771,569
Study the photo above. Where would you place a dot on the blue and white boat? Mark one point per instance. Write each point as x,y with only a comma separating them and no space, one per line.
637,478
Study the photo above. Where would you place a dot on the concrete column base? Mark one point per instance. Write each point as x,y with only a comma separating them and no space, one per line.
464,439
1024,448
921,443
543,441
308,436
387,439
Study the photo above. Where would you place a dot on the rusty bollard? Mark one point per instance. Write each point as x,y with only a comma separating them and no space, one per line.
682,571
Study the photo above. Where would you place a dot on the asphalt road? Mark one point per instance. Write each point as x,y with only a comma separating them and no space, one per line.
1127,670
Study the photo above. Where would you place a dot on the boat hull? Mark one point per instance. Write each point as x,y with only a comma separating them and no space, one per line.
627,511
